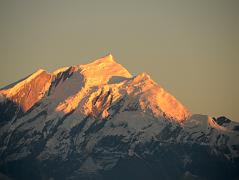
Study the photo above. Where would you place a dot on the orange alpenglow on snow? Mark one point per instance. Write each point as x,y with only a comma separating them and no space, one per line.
93,88
101,70
28,91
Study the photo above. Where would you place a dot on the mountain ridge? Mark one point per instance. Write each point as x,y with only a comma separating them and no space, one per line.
101,72
97,121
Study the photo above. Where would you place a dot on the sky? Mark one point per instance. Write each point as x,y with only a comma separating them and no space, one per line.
190,47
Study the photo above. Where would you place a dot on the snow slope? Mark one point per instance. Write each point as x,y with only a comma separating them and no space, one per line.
97,121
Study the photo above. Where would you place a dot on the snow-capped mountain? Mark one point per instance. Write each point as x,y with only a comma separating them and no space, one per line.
97,121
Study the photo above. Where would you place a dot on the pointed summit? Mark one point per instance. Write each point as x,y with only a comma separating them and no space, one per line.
102,70
109,58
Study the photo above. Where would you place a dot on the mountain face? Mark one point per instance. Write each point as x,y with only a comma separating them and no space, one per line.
97,121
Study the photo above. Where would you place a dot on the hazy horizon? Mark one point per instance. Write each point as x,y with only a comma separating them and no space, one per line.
191,48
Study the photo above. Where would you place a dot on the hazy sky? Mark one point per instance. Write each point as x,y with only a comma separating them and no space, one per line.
190,47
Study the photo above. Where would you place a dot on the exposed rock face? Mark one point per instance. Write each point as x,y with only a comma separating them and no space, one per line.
97,121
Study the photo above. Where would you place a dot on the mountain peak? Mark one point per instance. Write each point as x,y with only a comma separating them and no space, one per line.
15,87
28,91
102,70
68,85
109,58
